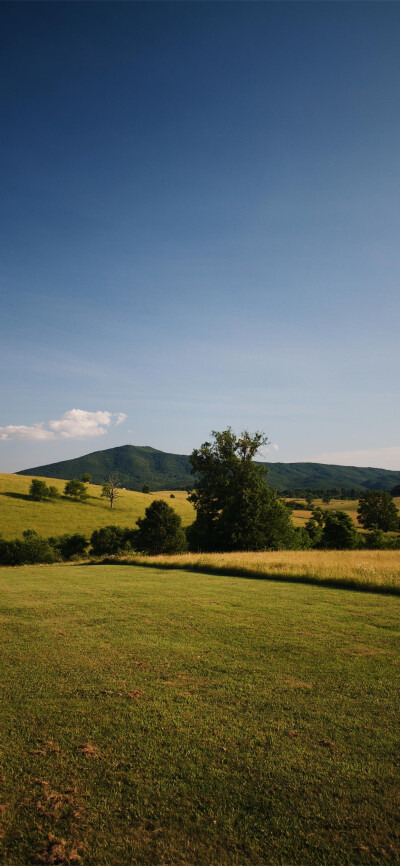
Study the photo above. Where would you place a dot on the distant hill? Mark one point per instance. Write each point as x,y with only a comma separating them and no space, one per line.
137,465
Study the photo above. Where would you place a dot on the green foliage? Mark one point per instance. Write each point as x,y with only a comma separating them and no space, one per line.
376,510
29,550
326,498
172,496
235,508
52,492
339,532
38,490
146,488
160,531
86,478
70,546
111,540
76,489
395,491
138,465
309,498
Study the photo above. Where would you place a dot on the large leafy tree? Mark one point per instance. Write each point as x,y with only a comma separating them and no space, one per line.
376,510
235,508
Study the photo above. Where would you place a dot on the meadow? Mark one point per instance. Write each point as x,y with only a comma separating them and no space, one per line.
174,719
371,570
19,512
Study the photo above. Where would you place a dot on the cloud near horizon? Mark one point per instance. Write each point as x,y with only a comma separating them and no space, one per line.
74,424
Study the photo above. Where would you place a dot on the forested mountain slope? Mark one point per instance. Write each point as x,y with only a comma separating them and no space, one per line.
137,465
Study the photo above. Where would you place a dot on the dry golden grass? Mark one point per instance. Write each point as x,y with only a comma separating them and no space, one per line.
370,569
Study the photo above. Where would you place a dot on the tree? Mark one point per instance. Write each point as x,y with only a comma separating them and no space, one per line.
377,510
160,530
326,498
339,532
38,490
52,492
111,540
76,489
235,508
146,488
309,498
395,491
86,478
111,489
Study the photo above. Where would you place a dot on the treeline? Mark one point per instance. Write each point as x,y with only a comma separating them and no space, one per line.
324,493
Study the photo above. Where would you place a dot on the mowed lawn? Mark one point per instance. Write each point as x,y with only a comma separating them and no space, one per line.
162,717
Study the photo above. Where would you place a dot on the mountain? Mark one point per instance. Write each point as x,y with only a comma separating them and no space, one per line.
137,465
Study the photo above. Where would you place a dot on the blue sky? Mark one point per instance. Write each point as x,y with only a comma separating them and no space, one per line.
200,228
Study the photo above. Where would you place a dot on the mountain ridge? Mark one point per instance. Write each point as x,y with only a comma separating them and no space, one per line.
142,464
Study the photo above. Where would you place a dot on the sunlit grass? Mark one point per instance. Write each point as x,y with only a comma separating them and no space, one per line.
18,512
370,569
167,719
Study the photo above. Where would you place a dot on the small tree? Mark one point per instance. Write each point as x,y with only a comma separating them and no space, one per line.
326,498
38,490
309,498
76,489
376,510
339,532
111,489
86,478
146,488
52,492
160,531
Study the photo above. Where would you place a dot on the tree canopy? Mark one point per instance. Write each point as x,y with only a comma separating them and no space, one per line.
160,531
235,508
76,489
376,510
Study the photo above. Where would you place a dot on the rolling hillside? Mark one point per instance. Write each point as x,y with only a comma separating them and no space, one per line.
137,465
19,512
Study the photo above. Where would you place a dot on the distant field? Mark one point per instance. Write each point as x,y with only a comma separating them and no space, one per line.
187,720
18,512
369,569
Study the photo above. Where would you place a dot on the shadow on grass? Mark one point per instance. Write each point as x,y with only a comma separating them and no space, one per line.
222,571
59,498
24,496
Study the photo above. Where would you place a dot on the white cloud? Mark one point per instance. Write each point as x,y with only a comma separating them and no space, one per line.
264,453
381,458
74,424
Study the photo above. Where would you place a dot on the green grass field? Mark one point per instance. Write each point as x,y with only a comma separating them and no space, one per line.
18,512
162,717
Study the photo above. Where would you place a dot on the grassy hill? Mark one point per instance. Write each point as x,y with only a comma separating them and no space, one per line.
137,465
18,512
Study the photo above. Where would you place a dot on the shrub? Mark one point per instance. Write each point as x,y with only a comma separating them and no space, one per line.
111,540
38,490
70,546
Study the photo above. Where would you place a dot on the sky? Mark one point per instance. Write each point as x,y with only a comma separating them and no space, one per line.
200,228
